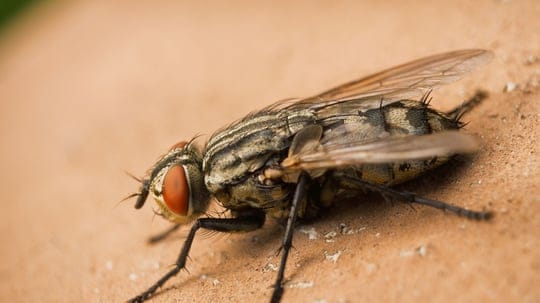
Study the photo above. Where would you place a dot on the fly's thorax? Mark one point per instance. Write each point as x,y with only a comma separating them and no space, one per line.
177,185
240,150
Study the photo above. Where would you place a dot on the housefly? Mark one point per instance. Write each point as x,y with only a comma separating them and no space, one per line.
295,158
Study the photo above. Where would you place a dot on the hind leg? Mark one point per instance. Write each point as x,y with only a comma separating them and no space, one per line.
413,198
457,113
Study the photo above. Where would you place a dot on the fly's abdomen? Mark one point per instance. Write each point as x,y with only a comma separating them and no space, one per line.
409,118
402,118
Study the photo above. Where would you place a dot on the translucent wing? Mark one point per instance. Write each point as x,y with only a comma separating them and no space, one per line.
383,150
408,80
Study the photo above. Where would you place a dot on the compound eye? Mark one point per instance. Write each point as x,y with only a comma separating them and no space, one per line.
178,145
176,190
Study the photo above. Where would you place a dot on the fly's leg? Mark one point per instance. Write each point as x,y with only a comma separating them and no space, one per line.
162,235
299,195
457,113
247,223
413,198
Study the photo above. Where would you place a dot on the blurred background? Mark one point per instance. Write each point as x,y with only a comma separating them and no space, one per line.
91,89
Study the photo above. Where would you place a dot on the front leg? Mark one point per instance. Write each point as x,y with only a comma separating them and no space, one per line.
245,223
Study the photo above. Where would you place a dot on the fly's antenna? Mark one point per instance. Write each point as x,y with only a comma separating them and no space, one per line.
143,191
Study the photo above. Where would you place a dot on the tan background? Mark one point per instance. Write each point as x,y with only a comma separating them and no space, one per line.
90,89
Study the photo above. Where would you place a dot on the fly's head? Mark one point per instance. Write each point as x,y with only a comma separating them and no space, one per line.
176,182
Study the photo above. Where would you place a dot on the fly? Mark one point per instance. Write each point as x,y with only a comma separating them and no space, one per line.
295,158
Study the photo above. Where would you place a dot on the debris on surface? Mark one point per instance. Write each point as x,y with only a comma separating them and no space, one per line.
531,60
330,236
300,284
332,257
420,250
109,265
406,253
270,267
510,86
204,277
345,230
311,232
133,277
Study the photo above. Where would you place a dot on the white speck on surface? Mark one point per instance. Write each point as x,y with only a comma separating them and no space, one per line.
333,257
422,250
510,86
406,253
345,230
109,265
330,237
371,267
300,284
377,235
132,276
531,60
204,277
311,232
96,290
270,267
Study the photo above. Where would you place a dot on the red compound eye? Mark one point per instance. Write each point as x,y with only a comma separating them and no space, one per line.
180,144
176,190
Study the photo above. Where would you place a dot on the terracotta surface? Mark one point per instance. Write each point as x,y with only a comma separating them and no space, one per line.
90,89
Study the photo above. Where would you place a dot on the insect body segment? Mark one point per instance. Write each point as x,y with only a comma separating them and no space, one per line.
295,158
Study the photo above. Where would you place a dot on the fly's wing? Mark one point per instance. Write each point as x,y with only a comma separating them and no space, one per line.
383,150
413,79
408,80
